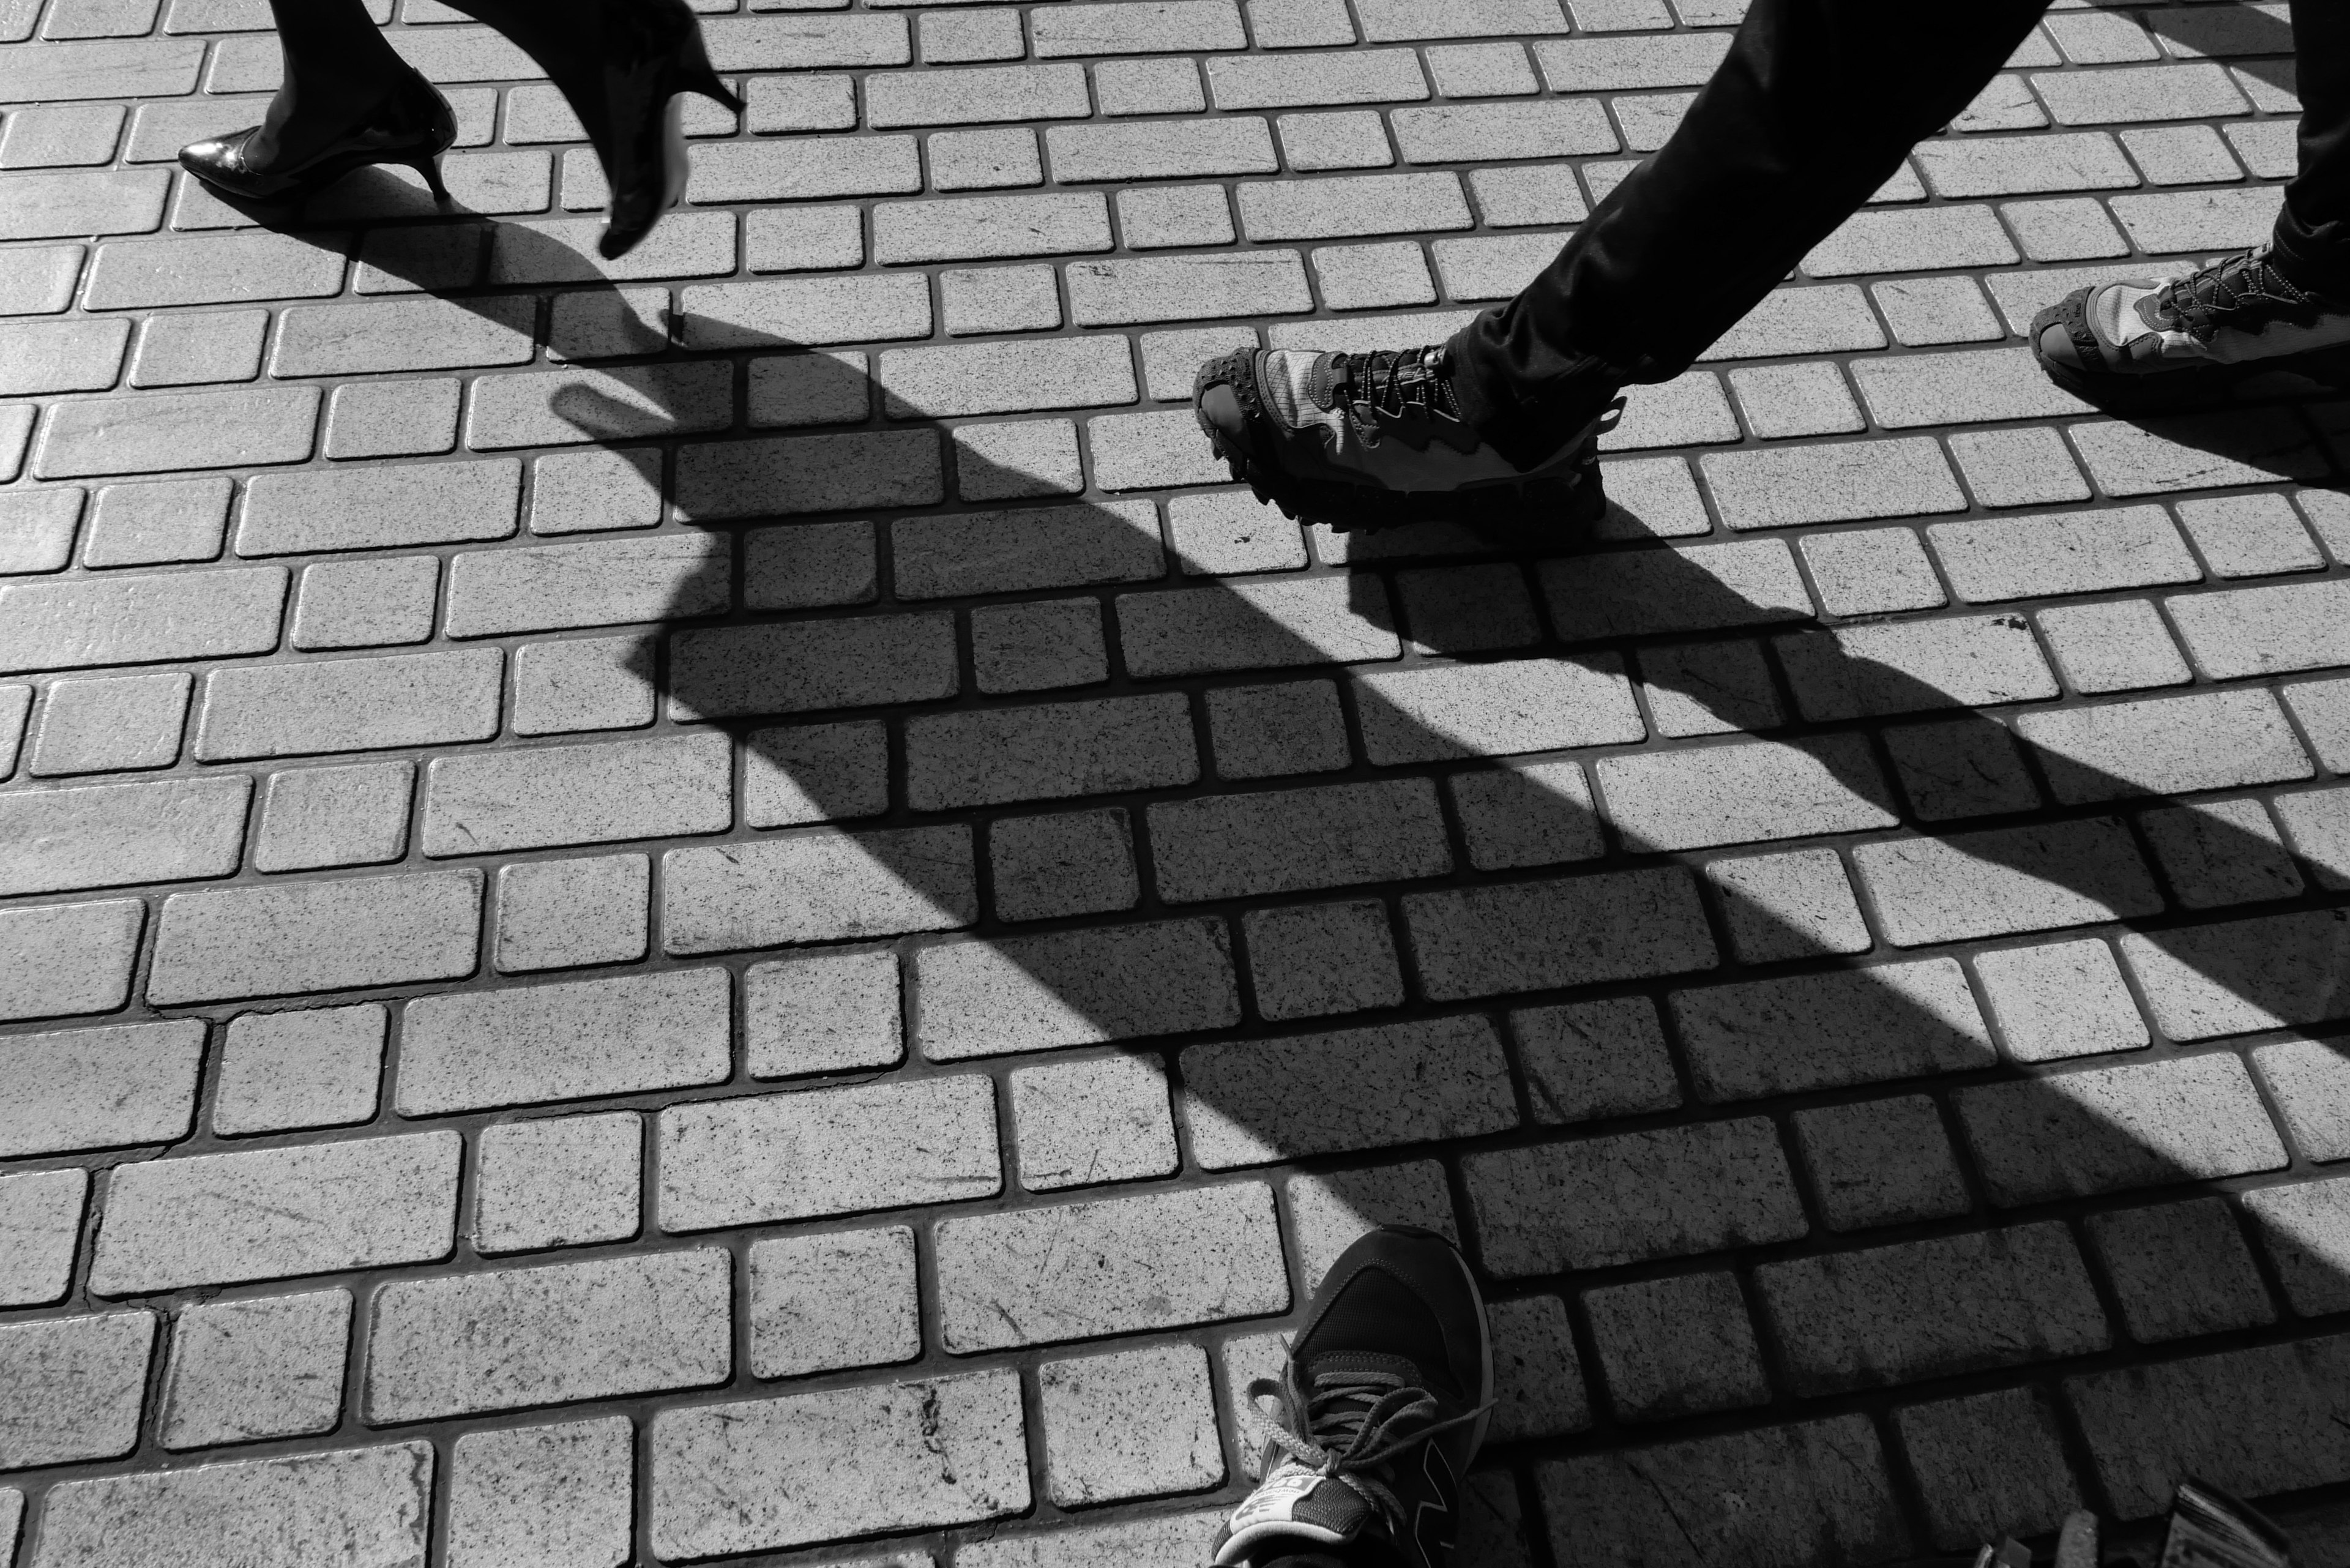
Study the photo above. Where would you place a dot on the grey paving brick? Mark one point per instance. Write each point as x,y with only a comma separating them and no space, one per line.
900,1456
77,622
2006,880
584,683
793,474
1587,1060
1256,625
81,354
807,564
241,1370
2219,853
1676,1346
1575,930
557,1181
1826,319
467,1051
2234,976
1173,151
2309,1083
2261,631
75,1385
1331,1211
334,816
1352,204
348,704
40,1224
574,493
2120,646
2212,739
2305,1231
376,508
1620,1199
1000,299
314,1068
316,936
218,1218
60,206
1136,1423
370,1506
1144,451
58,959
1987,1462
392,419
1538,1380
1880,1162
597,794
1911,241
111,724
2074,552
1266,732
1777,1036
1484,709
846,1299
1288,81
1637,592
2198,452
36,526
810,666
2322,707
2014,165
828,1151
403,334
1826,1480
815,773
1049,750
1696,797
2180,1269
1169,27
1386,21
1082,1124
1126,290
1356,1088
1307,960
1913,666
2242,1418
1527,813
191,350
106,1087
535,1496
1851,482
1935,1308
1006,377
2249,536
807,43
984,159
1075,862
1081,987
559,914
367,1506
1017,459
991,35
165,433
1011,1279
822,1012
2110,1129
108,835
690,245
42,280
1960,767
515,1337
1228,846
987,95
820,886
1927,311
2063,1000
552,407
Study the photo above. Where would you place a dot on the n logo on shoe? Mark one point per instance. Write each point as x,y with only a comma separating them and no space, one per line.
1432,1522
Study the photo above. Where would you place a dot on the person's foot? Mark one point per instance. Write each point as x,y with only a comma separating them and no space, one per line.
652,54
270,162
1365,441
2155,343
1385,1402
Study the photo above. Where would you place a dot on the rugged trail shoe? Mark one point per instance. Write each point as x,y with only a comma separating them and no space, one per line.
1367,440
2149,343
1385,1402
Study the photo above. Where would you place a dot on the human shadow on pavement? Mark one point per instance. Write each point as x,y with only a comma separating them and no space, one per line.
862,723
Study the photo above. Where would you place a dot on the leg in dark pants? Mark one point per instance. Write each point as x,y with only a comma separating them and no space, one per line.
2313,233
1813,110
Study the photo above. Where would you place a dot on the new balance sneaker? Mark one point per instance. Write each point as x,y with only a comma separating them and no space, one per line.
2151,343
1383,1405
1365,441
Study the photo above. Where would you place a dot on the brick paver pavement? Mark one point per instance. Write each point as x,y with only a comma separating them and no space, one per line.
615,948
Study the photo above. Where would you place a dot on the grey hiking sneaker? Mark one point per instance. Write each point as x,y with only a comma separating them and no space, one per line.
2151,343
1366,441
1385,1401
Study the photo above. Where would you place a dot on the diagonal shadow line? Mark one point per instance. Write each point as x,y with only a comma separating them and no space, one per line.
2107,1162
2226,33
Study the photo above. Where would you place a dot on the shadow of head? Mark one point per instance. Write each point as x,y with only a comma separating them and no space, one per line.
934,692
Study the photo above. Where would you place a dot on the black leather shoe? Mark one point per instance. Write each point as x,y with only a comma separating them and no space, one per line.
413,126
652,52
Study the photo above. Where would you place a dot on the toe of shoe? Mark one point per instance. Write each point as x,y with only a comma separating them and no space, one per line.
2054,343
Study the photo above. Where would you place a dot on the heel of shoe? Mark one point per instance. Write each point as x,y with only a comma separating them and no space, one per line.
695,74
429,165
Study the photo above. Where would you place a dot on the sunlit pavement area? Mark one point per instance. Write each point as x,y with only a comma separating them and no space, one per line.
735,906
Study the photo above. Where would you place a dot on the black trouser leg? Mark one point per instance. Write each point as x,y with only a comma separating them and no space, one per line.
338,68
2313,233
1809,114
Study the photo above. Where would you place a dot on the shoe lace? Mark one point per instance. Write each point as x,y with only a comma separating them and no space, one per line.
1351,1424
2203,300
1393,382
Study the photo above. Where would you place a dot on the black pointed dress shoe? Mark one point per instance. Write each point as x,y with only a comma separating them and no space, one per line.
413,126
652,52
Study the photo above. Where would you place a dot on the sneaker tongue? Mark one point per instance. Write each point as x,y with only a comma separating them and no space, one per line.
1294,1509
